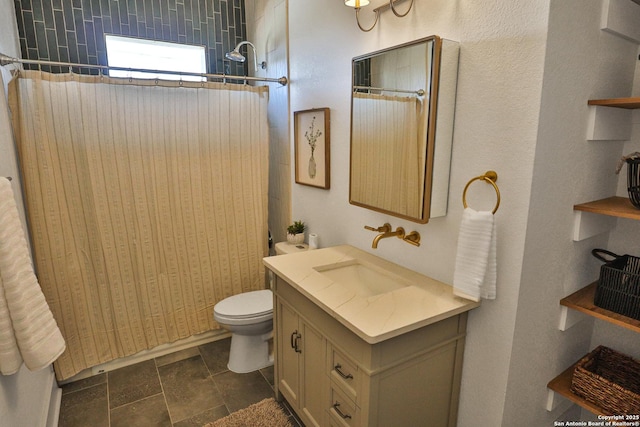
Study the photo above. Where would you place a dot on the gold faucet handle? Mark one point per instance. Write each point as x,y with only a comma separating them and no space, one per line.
413,238
382,229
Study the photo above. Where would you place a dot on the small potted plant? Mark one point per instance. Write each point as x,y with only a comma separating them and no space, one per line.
295,233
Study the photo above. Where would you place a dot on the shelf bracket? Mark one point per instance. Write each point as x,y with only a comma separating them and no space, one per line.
569,318
557,402
620,18
609,124
587,224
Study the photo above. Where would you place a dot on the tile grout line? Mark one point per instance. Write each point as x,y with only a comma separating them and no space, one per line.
164,396
213,371
215,383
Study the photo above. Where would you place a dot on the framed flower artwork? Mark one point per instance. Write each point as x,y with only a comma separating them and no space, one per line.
311,146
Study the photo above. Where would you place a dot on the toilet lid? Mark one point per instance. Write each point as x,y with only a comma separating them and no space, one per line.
247,304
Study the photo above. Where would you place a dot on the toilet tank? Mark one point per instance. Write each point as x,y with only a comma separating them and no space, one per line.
283,248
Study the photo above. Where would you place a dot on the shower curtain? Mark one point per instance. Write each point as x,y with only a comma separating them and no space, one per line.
147,204
387,153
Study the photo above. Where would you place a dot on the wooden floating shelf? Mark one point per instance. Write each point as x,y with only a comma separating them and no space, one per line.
628,103
582,301
619,207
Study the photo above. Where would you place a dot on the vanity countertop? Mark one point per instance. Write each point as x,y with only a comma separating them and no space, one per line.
374,317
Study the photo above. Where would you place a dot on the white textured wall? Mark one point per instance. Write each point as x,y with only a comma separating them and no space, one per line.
527,69
8,46
24,396
498,102
267,29
8,30
624,238
581,62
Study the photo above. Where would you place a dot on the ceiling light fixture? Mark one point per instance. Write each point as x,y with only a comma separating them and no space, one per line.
357,4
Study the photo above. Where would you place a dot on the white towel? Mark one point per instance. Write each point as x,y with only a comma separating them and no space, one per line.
28,331
474,276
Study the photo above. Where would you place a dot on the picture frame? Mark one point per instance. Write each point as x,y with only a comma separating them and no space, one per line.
312,147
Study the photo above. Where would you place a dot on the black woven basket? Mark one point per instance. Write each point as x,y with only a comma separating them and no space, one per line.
618,287
633,181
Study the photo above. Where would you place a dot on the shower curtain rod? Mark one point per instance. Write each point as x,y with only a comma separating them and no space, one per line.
5,60
418,92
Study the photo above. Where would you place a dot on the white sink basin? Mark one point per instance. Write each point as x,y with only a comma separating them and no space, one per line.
364,279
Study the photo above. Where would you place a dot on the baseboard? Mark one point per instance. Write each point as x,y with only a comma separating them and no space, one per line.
54,404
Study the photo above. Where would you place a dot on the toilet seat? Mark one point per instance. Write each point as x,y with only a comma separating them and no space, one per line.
248,307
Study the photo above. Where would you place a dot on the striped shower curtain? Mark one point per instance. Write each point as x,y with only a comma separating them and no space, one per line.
387,153
147,204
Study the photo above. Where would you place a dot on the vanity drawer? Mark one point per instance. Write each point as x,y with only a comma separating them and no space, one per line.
345,374
342,411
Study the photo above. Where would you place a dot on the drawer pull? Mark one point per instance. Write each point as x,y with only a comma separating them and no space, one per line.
342,374
344,416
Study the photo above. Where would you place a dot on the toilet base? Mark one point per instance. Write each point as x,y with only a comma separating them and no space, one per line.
249,353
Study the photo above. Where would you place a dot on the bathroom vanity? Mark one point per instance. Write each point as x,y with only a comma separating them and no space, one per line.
360,341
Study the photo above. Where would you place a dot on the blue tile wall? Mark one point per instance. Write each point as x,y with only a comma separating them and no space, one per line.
362,73
73,30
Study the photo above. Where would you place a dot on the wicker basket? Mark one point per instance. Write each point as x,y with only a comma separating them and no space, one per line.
633,180
618,287
609,380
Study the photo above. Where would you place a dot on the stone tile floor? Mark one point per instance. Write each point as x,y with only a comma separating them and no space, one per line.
188,388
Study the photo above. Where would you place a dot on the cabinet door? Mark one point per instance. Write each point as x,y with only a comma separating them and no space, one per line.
288,343
314,379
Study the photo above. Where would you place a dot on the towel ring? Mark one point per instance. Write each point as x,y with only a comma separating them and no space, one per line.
490,177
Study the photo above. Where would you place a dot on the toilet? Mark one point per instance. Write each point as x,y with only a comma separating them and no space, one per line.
249,318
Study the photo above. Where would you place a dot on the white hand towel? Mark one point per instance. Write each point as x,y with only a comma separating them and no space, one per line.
28,324
474,276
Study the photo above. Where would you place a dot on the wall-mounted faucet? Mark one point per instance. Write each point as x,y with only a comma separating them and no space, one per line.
385,231
399,233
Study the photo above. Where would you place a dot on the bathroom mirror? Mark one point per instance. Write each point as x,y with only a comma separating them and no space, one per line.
402,108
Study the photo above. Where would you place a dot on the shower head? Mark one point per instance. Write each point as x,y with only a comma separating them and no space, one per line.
236,56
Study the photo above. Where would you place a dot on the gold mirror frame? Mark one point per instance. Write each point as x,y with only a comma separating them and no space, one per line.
431,186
